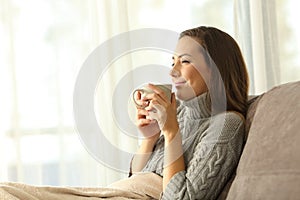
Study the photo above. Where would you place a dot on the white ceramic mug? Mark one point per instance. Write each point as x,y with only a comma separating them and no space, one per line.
167,88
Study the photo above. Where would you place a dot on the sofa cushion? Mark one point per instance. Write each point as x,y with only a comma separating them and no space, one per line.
269,167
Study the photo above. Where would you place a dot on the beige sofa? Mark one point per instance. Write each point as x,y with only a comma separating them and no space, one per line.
269,167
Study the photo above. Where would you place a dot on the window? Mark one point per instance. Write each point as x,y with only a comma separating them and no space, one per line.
44,44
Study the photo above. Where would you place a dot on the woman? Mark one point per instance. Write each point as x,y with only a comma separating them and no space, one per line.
196,142
193,142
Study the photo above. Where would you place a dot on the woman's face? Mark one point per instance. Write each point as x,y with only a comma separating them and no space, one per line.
190,72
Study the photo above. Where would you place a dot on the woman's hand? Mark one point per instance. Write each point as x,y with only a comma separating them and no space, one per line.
147,126
163,110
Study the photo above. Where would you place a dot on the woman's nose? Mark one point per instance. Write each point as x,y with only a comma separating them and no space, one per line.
174,73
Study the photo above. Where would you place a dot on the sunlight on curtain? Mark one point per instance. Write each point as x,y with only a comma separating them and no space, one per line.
288,16
44,43
269,39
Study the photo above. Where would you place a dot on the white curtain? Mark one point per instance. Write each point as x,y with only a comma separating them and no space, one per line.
256,29
44,44
267,33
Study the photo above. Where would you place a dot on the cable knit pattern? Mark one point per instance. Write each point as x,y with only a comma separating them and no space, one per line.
212,146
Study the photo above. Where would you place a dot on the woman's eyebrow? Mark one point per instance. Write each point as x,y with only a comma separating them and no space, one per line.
185,54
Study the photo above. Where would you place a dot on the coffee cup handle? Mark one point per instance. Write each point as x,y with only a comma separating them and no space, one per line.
133,97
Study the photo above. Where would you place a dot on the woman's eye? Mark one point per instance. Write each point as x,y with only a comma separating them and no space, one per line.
182,61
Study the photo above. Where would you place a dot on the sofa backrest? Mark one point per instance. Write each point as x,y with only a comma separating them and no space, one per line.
269,167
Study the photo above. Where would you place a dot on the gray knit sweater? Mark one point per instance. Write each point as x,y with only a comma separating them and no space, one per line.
212,146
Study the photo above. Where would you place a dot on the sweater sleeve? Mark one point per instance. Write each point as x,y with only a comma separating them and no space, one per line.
214,159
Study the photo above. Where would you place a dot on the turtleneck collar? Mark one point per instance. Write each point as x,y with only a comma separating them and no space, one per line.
197,107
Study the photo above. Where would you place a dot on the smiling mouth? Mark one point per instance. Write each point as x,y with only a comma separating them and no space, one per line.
180,83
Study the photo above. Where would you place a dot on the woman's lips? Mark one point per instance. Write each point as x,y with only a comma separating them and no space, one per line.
179,83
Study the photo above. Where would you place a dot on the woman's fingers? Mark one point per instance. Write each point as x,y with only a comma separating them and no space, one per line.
143,122
154,103
173,100
157,93
154,98
139,102
142,113
142,103
158,97
142,119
